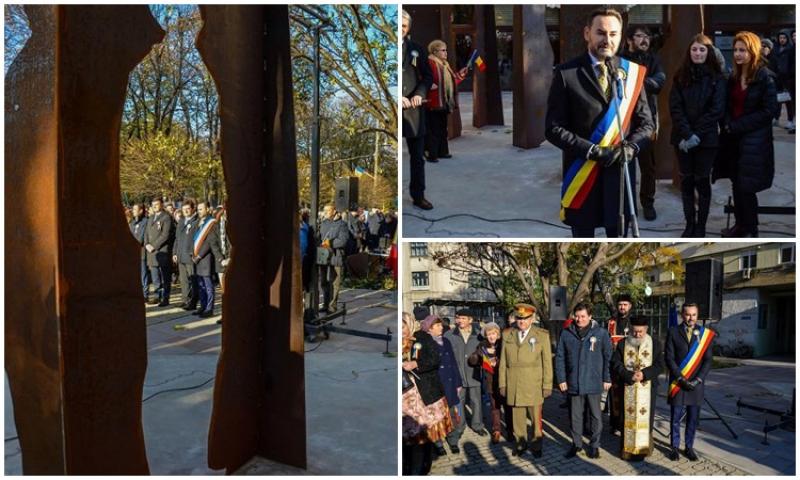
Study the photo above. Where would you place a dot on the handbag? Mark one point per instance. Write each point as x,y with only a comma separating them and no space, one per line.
784,97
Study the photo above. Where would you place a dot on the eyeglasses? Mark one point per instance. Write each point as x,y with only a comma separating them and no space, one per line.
642,36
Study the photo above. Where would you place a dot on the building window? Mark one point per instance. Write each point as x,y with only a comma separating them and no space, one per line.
787,254
762,316
748,260
419,249
419,279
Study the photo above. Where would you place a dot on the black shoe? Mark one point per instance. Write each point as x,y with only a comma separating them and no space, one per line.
219,322
733,232
520,448
446,156
699,231
689,452
673,454
423,204
189,307
649,213
440,451
198,312
165,303
155,301
593,452
572,452
432,160
207,314
689,231
455,449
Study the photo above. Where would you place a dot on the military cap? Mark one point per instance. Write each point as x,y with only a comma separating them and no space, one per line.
523,311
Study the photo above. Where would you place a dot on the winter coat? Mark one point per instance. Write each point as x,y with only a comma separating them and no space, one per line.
470,376
209,253
159,235
426,374
697,108
747,153
448,372
338,233
476,360
584,368
526,367
675,349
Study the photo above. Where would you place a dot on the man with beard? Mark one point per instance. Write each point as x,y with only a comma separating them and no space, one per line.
618,327
687,353
582,120
636,364
638,39
417,80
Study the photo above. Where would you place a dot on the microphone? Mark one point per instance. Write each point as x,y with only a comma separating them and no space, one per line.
615,77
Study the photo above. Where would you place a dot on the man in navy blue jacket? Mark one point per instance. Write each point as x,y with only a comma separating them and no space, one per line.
582,372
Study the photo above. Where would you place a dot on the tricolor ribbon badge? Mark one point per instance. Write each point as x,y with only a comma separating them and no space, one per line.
532,343
592,341
414,55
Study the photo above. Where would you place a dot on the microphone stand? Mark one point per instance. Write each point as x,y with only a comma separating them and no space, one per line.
625,188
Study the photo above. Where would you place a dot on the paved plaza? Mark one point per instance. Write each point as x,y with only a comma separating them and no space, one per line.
491,189
759,382
344,375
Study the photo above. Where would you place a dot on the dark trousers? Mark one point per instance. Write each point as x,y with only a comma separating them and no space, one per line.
331,278
416,186
745,209
695,173
417,459
206,289
145,279
436,134
577,404
692,416
647,185
474,394
188,284
162,280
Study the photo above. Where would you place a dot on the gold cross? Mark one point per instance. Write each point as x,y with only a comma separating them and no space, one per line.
631,410
643,411
631,353
645,354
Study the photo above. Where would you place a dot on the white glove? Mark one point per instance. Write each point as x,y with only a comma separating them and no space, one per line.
682,146
693,141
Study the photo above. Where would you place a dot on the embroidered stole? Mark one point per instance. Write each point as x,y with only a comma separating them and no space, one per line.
636,431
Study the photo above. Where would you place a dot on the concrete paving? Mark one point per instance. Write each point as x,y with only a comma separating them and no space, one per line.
351,395
516,192
770,384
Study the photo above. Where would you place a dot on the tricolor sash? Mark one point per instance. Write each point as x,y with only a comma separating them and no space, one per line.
201,234
636,438
582,174
692,360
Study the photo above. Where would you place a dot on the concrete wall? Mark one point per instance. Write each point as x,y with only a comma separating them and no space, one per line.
738,330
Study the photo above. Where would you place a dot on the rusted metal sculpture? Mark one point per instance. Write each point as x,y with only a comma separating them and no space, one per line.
259,394
74,321
486,92
532,75
684,23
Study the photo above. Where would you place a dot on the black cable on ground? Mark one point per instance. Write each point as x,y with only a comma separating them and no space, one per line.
182,389
318,345
550,224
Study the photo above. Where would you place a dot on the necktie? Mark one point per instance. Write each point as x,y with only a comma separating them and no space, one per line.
689,334
602,79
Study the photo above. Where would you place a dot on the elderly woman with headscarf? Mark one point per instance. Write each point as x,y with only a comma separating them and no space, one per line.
449,376
441,100
487,357
426,418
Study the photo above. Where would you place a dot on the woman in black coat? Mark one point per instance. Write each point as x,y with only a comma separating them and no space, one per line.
697,104
747,154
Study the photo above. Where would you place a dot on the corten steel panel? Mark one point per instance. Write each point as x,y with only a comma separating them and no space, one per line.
446,26
486,93
75,327
685,24
532,75
259,393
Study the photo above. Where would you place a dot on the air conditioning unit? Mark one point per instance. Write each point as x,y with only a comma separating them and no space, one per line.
747,273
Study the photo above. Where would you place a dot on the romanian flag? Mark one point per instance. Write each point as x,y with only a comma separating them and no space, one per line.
487,364
480,64
693,358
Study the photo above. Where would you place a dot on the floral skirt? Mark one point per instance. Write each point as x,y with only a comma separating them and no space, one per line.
424,423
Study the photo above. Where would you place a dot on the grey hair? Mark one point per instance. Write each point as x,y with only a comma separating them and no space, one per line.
407,16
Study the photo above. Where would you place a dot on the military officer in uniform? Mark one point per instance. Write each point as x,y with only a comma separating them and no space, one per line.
581,121
526,376
417,80
687,354
158,245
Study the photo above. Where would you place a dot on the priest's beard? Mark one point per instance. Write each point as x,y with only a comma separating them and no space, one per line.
635,342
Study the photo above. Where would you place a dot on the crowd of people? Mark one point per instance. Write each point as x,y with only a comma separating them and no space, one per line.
722,120
505,375
186,245
340,235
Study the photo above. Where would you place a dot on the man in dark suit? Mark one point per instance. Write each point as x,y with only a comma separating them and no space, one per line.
157,243
206,249
182,255
580,96
686,395
417,80
138,228
638,39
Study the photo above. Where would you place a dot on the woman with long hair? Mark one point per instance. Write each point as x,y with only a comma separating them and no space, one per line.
441,100
697,104
747,154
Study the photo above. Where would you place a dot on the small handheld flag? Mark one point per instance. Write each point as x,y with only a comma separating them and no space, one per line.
480,64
